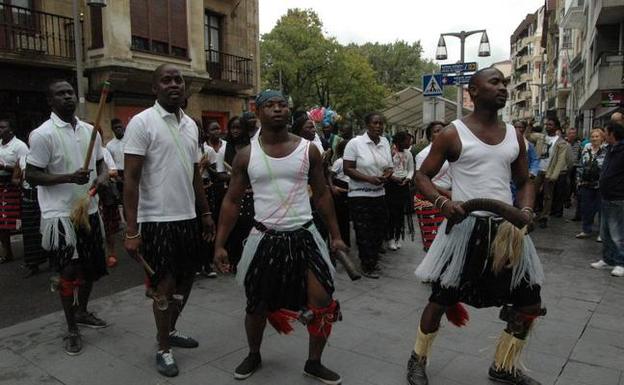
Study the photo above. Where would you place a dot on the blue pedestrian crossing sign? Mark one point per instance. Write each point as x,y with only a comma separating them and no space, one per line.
432,85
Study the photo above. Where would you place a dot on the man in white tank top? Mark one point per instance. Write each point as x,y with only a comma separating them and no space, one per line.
285,266
484,154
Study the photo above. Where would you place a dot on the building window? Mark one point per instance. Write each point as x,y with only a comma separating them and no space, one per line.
21,16
97,36
212,36
159,26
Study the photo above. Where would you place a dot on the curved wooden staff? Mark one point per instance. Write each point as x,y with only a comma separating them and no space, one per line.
512,214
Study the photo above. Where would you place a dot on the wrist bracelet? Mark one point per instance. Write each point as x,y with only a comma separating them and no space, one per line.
443,203
529,209
207,213
135,236
435,203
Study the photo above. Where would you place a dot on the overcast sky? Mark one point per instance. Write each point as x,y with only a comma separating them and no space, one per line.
365,21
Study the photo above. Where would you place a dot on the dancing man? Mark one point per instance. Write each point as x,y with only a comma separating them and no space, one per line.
54,165
162,188
466,265
285,266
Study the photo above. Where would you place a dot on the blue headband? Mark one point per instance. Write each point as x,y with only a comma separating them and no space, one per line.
266,95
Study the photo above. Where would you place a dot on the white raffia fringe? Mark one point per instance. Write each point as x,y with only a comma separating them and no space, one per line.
253,241
449,250
51,233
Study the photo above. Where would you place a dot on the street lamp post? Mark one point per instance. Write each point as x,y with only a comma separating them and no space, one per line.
78,51
484,50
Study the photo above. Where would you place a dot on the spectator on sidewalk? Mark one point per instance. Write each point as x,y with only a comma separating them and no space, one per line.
553,162
588,174
612,207
575,157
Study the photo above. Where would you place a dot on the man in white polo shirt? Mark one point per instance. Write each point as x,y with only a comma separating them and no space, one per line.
163,188
57,152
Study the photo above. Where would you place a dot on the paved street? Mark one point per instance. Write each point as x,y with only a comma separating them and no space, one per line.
579,342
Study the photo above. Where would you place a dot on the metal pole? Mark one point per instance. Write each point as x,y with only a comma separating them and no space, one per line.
460,88
79,64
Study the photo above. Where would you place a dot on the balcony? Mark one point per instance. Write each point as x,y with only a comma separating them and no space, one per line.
229,72
608,11
606,75
27,35
574,15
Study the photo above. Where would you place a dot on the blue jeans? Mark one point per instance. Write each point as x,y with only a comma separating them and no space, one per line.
612,232
590,206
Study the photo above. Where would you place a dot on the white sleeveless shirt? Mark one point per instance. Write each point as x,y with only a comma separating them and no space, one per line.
280,187
483,170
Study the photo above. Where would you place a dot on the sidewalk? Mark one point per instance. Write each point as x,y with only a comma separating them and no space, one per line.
579,342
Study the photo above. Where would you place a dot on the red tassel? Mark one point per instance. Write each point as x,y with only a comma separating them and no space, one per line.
458,315
281,320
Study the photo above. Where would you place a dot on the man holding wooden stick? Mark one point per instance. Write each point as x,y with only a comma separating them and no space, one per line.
58,149
163,188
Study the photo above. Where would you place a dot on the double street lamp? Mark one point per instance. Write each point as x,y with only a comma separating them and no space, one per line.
484,50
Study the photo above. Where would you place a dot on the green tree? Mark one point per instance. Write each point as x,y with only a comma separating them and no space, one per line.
400,65
314,69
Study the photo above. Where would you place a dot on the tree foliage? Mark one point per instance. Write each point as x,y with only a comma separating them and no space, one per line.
316,70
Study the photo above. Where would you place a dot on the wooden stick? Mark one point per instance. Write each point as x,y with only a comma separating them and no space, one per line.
146,265
98,116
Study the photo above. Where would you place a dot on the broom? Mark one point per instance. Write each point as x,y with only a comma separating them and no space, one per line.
80,212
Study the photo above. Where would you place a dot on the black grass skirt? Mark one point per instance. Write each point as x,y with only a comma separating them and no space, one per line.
171,248
90,248
277,276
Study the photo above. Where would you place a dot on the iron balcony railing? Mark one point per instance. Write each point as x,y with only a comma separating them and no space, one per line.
229,68
25,31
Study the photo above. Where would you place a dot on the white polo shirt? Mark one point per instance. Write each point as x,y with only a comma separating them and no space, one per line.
211,156
170,150
108,159
220,160
11,152
116,149
60,149
370,159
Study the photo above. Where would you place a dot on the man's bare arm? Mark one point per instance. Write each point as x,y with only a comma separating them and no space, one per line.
200,195
36,176
320,193
230,207
520,175
133,167
432,164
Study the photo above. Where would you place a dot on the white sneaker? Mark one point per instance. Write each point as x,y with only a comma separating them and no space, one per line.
392,245
601,265
599,239
618,271
398,244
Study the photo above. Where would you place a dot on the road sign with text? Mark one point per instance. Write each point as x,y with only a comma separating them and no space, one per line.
453,80
432,85
459,67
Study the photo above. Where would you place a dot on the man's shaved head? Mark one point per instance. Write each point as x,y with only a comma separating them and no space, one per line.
480,74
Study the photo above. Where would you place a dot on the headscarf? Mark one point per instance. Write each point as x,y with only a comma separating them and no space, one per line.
266,95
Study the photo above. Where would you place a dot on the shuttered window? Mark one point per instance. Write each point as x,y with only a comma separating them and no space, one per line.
159,26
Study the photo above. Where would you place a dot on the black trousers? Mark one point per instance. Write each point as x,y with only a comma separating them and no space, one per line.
370,219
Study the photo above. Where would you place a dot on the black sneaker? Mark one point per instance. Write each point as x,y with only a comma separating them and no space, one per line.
166,365
250,364
370,273
179,340
416,374
73,343
316,370
516,377
209,273
90,320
